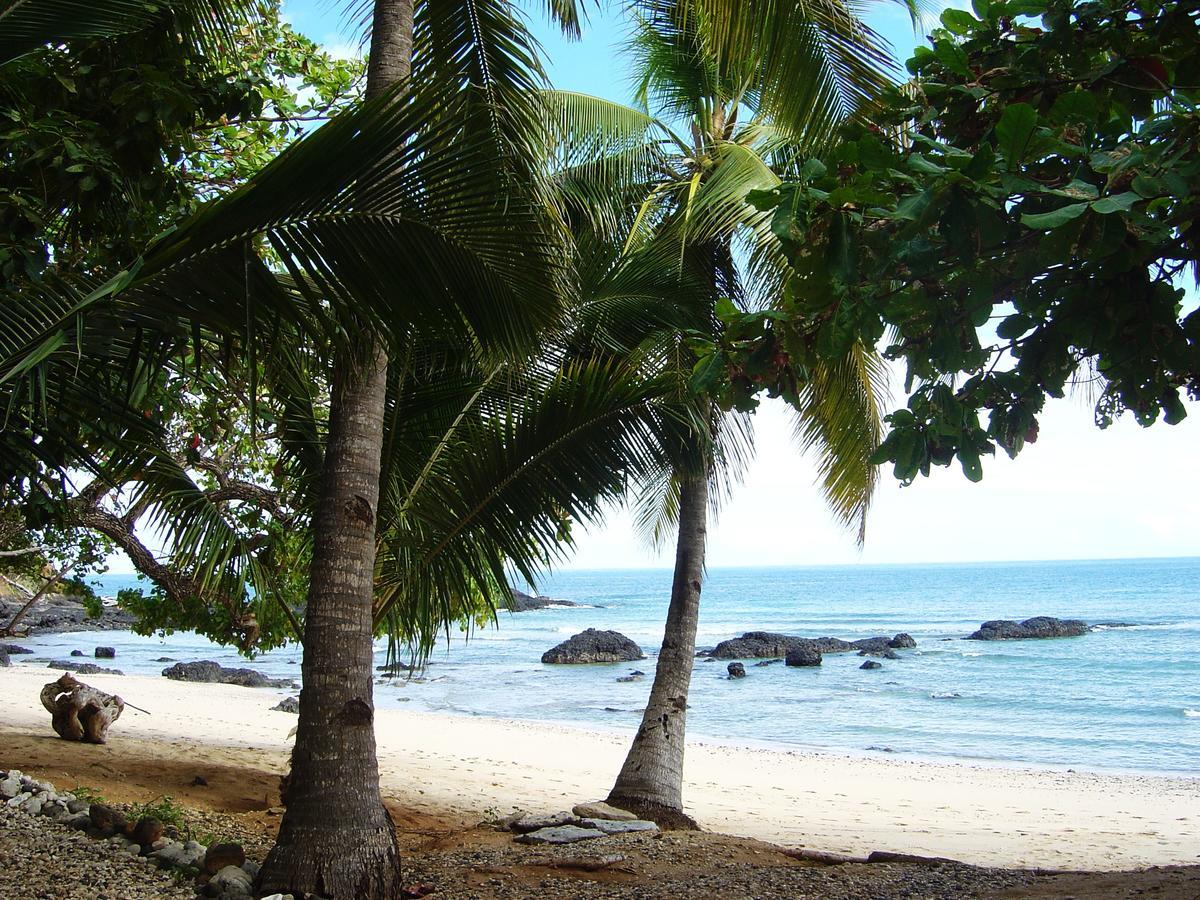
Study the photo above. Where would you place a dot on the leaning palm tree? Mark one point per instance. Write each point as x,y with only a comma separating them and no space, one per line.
754,85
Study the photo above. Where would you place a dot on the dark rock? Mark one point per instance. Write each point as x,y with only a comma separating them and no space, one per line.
287,705
802,657
563,834
767,662
902,641
632,676
4,660
886,654
524,602
736,670
105,652
1037,627
165,659
594,646
58,613
872,644
221,855
199,781
77,653
871,664
106,820
147,830
82,668
206,670
758,644
15,649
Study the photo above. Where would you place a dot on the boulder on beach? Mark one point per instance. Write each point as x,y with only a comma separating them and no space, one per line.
206,670
803,657
68,665
4,661
594,646
522,602
1038,627
287,705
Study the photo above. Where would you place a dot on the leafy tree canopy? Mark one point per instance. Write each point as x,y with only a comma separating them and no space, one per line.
1022,218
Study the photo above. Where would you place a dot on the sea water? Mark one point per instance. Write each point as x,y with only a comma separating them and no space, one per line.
1118,698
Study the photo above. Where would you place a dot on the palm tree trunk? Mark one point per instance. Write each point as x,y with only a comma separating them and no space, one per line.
651,780
336,839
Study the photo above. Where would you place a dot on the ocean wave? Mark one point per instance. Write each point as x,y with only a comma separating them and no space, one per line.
945,695
1191,713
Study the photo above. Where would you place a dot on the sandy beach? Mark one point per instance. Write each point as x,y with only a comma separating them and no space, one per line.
443,764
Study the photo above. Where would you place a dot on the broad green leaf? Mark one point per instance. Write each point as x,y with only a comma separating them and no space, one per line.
1116,203
1014,131
1056,217
958,21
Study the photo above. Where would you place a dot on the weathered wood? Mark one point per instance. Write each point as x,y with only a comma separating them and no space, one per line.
80,712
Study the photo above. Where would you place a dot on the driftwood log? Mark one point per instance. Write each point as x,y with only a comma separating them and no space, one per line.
78,711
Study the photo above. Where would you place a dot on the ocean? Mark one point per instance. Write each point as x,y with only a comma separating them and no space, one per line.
1115,699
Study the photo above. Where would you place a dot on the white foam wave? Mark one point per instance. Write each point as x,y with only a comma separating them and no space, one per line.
945,695
1192,713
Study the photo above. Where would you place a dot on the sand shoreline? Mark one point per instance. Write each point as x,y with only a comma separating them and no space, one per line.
472,766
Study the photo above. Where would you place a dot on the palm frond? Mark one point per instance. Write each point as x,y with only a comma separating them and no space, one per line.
839,419
26,25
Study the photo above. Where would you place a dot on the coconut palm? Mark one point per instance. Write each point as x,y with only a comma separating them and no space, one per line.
751,87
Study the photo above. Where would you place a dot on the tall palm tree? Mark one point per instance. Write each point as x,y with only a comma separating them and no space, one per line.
754,86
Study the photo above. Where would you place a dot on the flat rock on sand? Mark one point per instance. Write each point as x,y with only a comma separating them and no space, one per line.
562,834
602,810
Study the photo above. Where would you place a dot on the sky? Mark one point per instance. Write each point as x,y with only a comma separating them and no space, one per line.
1078,493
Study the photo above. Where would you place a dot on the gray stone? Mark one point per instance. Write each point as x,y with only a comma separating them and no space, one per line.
610,827
82,668
32,806
803,657
10,787
172,855
207,671
79,821
1038,627
871,664
77,806
563,834
287,705
736,670
592,646
602,810
232,882
538,821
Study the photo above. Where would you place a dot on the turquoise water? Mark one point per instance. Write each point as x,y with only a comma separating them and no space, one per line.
1124,698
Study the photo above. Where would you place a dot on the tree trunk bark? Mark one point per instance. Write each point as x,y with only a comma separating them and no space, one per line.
336,839
651,780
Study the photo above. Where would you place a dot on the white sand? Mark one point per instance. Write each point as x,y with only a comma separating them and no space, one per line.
979,814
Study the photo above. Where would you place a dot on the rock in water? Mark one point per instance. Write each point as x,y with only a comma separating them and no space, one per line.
594,646
736,670
106,652
802,657
563,834
902,641
522,602
206,670
1037,627
602,810
871,664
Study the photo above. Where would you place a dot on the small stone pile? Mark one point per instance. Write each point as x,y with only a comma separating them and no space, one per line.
221,871
586,821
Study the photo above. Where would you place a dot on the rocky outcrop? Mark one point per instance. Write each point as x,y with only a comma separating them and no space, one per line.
803,657
525,602
594,646
1039,627
758,644
56,613
208,671
902,641
68,665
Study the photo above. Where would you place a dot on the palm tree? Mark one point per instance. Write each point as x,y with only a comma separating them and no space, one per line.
755,85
